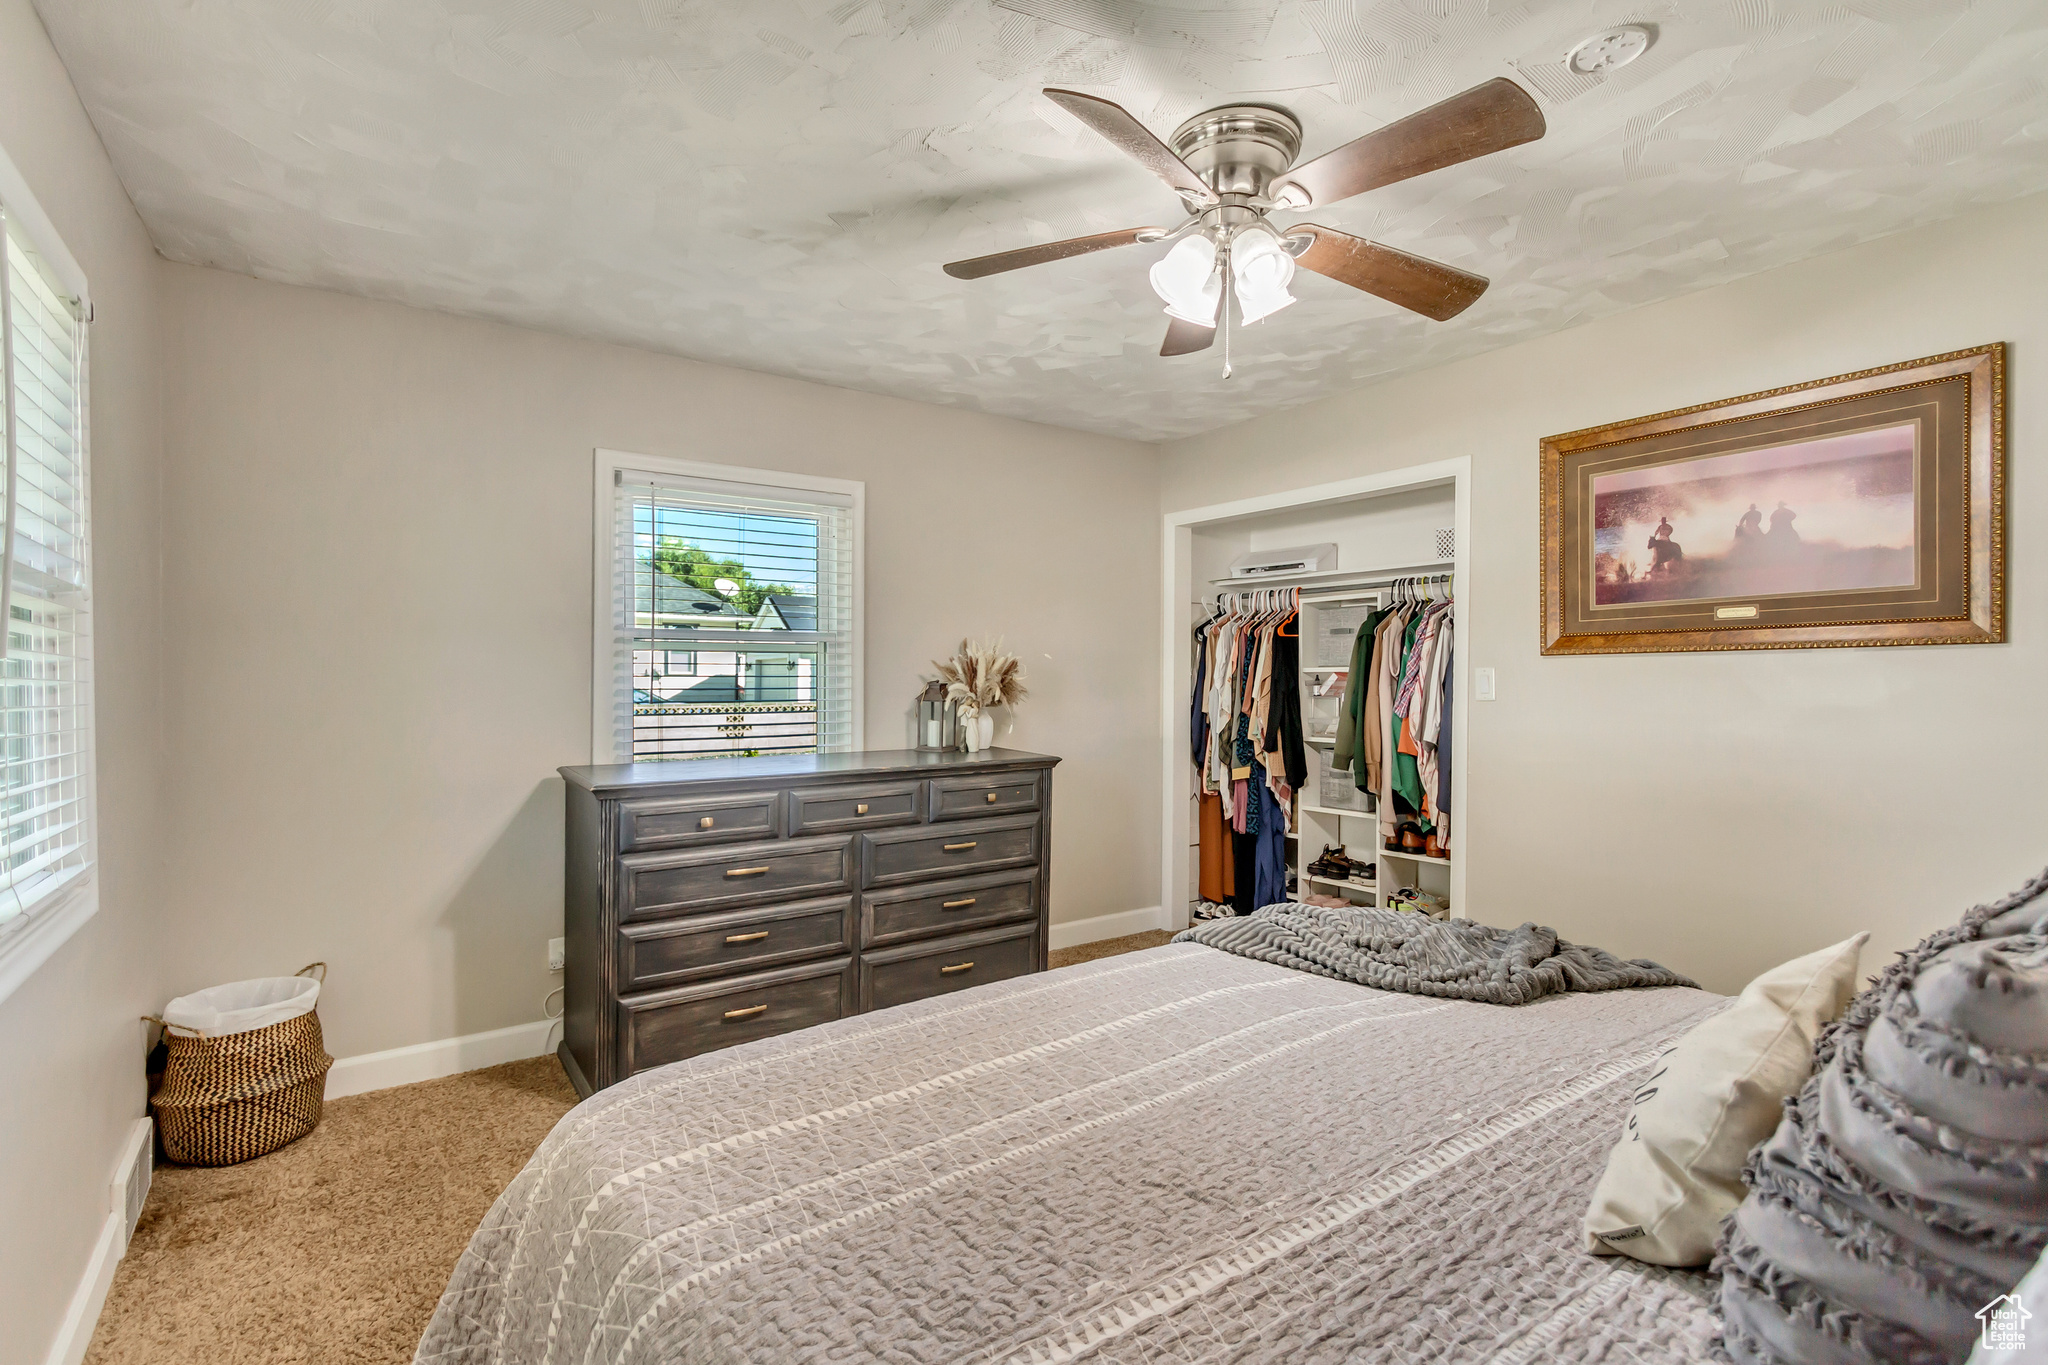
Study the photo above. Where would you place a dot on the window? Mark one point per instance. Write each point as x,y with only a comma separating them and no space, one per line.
728,612
46,732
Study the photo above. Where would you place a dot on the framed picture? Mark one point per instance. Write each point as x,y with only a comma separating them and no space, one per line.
1867,509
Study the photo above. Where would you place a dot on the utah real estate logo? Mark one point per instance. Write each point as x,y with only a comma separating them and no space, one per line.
2005,1323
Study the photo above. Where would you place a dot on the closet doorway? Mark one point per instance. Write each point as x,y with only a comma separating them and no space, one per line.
1348,549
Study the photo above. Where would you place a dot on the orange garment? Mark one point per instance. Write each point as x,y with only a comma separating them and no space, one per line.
1218,873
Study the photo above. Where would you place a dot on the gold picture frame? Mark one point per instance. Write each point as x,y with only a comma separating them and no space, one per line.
1888,526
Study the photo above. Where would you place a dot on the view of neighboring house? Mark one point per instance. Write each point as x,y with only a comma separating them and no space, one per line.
726,698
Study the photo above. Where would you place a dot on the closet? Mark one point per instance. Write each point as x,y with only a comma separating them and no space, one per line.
1366,545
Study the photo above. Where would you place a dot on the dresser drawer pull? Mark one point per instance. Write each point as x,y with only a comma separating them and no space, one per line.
956,905
746,871
705,823
992,798
754,937
861,809
948,971
752,1010
950,848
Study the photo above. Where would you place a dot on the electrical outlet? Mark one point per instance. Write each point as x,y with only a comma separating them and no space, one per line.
558,953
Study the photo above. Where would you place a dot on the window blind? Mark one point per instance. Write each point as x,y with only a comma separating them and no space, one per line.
46,676
733,619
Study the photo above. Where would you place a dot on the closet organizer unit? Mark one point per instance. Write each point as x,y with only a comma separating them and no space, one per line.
1394,549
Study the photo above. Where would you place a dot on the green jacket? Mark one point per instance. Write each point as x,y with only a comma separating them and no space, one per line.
1350,745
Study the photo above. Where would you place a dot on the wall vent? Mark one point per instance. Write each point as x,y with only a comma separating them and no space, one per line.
1447,543
131,1177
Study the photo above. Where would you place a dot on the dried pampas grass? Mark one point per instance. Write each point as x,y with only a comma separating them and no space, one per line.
981,675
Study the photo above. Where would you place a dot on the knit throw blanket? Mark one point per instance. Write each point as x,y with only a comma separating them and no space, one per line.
1397,950
1907,1187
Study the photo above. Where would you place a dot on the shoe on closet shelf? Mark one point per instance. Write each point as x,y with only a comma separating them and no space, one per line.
1334,863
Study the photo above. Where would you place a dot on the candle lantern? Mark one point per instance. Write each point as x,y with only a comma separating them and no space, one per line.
936,727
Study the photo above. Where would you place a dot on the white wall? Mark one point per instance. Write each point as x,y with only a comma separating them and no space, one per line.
1722,812
71,1064
377,538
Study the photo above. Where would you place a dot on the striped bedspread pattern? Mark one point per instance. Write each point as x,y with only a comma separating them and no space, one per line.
1173,1155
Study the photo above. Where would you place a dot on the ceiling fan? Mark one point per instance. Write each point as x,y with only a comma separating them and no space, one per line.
1233,166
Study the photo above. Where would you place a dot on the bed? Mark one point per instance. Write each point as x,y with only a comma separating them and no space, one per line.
1172,1155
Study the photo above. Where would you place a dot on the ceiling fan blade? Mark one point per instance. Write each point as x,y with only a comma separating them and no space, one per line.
1052,251
1430,288
1134,140
1487,118
1185,338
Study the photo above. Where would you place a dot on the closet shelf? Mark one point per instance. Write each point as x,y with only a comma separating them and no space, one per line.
1333,577
1415,857
1332,810
1338,881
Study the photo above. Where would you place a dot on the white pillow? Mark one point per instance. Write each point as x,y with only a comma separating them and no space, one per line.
1709,1099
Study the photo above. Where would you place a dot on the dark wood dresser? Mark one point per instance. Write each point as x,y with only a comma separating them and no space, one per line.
716,901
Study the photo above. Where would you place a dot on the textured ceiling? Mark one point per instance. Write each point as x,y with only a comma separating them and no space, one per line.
775,183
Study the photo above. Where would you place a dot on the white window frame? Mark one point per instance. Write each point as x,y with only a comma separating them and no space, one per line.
609,464
28,946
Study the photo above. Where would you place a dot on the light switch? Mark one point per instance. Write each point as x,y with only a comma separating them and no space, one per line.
1482,684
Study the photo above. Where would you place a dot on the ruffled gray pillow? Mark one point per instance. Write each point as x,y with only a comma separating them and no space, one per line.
1907,1186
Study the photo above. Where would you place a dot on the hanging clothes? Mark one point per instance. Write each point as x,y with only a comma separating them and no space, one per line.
1284,739
1349,753
1440,745
1217,868
1246,742
1386,736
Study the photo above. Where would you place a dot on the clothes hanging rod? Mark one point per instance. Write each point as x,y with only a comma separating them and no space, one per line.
1345,578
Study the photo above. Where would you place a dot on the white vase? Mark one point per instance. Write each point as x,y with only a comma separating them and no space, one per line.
985,731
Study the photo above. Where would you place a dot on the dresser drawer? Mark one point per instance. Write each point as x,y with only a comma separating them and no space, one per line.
661,952
911,855
660,884
687,821
964,798
829,810
667,1026
947,907
897,976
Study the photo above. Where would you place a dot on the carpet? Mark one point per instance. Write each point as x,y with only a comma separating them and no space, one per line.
1108,947
335,1249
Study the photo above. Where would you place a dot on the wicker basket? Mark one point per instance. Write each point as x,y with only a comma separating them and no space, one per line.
236,1097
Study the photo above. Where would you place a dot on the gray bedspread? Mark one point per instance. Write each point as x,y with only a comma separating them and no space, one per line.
1173,1155
1401,950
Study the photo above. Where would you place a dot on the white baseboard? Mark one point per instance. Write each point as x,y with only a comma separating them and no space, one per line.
1068,933
84,1313
442,1057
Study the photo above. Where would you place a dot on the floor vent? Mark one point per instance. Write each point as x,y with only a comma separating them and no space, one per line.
131,1177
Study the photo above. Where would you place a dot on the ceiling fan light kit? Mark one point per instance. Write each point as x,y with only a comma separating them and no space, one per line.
1262,272
1186,280
1235,165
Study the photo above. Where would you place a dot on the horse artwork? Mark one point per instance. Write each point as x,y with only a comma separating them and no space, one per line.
1864,509
1852,493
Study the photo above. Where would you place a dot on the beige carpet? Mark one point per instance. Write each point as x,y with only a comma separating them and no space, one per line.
1107,947
336,1248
